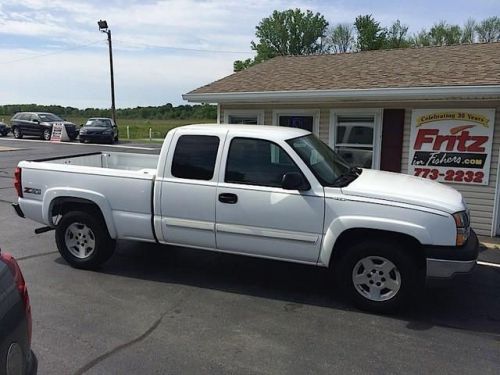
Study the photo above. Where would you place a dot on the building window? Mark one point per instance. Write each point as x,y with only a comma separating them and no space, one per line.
356,137
248,117
257,162
195,156
298,118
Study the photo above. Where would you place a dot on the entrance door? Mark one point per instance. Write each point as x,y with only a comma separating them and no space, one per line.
254,215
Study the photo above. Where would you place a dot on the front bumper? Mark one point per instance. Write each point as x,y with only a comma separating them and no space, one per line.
445,262
95,137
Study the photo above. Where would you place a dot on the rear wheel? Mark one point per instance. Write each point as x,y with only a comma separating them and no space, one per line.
83,239
379,276
17,133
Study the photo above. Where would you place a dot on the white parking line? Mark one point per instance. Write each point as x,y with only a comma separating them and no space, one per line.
81,144
488,264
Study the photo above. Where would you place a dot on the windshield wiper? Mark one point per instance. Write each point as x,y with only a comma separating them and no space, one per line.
348,177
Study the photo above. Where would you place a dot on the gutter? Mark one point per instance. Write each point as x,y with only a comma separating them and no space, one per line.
391,93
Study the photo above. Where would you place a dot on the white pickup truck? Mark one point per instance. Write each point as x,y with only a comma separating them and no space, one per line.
270,192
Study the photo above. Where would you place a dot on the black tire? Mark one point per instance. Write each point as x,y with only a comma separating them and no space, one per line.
46,134
18,134
104,245
111,140
410,275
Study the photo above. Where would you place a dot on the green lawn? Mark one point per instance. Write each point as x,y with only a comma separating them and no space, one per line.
139,128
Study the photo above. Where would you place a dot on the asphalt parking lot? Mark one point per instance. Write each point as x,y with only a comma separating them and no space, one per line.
159,310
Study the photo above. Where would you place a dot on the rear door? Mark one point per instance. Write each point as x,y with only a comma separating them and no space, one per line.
262,218
189,187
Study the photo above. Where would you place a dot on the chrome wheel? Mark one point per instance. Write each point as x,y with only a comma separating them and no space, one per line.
80,240
17,133
376,278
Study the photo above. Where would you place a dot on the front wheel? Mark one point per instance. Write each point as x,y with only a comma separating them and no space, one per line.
379,276
83,239
17,133
46,135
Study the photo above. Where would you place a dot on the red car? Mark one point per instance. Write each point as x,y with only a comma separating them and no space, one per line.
16,357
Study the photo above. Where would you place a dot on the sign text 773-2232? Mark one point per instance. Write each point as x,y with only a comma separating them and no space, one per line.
451,145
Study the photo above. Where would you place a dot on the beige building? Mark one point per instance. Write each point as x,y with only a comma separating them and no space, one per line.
432,112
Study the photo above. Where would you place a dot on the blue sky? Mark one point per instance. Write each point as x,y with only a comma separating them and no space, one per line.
51,51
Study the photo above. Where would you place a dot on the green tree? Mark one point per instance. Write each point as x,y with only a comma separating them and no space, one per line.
442,34
396,36
290,32
488,30
468,32
422,39
370,34
341,38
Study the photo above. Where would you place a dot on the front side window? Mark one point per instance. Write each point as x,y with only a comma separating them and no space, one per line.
325,164
257,162
354,139
195,156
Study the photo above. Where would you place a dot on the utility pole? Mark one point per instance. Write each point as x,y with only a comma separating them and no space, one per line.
103,26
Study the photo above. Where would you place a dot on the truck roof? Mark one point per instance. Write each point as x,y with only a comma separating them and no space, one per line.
277,132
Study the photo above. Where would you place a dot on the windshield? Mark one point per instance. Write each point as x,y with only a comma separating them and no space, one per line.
325,164
99,123
49,117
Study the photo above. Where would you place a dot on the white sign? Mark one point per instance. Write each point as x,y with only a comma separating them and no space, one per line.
59,133
451,145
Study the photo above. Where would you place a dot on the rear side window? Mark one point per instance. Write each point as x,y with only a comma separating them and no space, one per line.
194,157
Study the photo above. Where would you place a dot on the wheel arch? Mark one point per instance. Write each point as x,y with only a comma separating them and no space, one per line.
60,201
347,231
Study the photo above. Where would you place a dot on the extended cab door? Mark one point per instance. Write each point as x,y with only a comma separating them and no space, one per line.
255,215
188,187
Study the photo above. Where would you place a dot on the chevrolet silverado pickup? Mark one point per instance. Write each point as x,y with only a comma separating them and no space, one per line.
263,191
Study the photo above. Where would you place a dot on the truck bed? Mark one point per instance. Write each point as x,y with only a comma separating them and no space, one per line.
141,163
120,182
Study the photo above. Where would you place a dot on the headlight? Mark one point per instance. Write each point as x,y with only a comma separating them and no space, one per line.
463,227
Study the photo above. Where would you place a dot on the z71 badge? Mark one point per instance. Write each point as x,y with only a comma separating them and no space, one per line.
35,191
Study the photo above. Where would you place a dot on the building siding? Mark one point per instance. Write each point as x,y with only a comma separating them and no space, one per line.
480,199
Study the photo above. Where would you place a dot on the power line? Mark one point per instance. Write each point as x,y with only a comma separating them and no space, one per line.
181,48
51,53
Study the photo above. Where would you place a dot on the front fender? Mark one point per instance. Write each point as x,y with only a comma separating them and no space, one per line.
92,196
344,223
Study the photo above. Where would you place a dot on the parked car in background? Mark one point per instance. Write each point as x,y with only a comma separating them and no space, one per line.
16,356
4,129
99,129
39,124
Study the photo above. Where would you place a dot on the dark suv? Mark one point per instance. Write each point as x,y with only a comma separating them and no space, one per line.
39,124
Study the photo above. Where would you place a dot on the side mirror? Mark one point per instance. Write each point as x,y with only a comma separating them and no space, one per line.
35,121
294,181
81,125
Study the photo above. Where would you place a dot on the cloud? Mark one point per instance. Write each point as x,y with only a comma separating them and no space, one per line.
148,69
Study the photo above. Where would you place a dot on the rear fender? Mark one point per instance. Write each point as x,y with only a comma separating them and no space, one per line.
92,196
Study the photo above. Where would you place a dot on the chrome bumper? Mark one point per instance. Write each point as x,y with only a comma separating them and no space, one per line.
447,269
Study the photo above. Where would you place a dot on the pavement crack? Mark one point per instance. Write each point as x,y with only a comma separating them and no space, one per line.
35,255
94,362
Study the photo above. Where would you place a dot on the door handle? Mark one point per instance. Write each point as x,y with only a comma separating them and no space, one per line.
228,198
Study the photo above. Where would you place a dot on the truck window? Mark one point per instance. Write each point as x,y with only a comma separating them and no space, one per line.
257,162
194,157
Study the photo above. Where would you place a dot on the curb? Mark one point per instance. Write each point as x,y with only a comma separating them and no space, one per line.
490,245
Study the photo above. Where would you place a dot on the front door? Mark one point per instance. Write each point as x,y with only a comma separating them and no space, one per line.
254,215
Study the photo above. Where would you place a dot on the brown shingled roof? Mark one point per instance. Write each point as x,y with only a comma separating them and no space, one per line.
460,65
